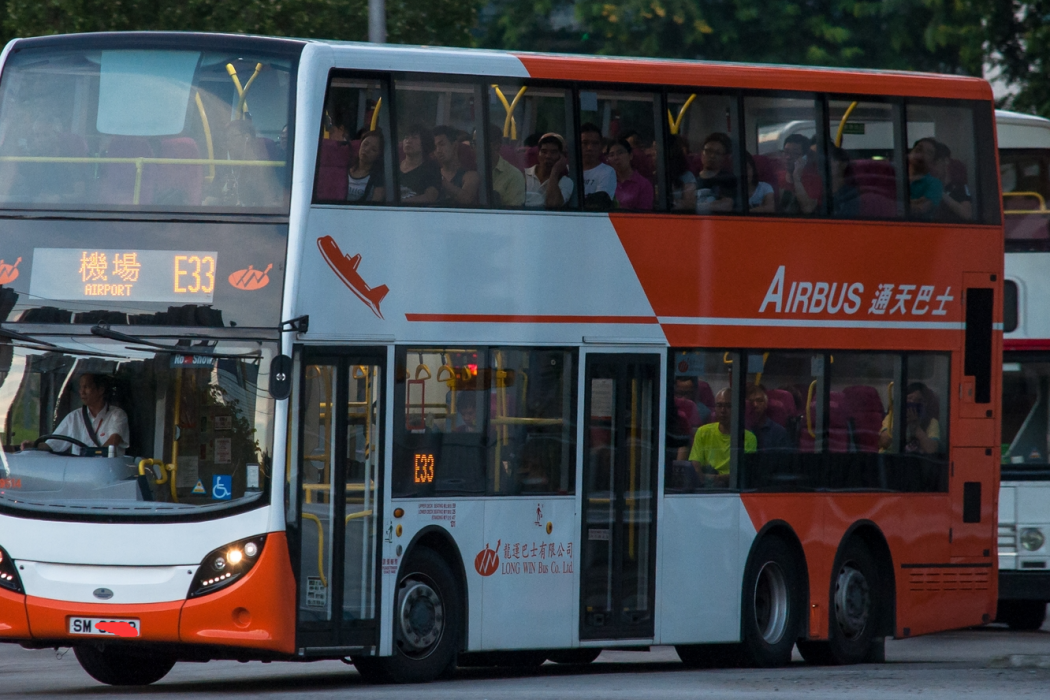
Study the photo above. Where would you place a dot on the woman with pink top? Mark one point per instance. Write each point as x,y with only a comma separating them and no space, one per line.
632,190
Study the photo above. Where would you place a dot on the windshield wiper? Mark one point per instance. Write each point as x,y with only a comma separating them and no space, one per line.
107,332
37,344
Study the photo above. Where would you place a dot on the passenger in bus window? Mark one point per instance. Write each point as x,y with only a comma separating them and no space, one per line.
715,187
683,182
926,191
508,183
632,190
599,179
685,387
710,452
769,434
922,429
800,187
957,202
459,186
760,199
551,163
365,175
96,424
420,180
845,197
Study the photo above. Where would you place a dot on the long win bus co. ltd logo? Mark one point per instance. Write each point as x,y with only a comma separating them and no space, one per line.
8,272
250,279
487,561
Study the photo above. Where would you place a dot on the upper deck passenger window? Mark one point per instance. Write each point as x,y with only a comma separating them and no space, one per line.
866,175
782,132
532,129
942,163
618,149
702,155
145,129
437,163
353,156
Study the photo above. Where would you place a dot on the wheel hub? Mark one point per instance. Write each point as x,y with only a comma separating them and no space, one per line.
771,602
852,601
421,618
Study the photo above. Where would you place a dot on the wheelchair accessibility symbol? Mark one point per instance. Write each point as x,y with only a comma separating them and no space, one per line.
222,487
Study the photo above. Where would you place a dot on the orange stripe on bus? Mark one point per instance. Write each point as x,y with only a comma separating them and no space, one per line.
528,318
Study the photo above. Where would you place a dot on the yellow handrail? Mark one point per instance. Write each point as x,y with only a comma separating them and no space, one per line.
320,547
375,114
842,123
676,123
1042,203
207,136
243,104
510,125
889,410
165,469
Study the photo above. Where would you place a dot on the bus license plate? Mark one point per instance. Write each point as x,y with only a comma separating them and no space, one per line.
104,627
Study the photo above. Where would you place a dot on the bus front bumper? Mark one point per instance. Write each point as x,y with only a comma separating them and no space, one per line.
1024,585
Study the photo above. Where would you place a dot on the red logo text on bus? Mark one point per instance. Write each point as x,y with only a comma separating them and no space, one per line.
487,560
9,273
251,279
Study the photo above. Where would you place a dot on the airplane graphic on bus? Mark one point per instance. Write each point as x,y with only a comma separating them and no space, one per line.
345,267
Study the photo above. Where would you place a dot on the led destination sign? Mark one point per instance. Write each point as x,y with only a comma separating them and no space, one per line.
129,275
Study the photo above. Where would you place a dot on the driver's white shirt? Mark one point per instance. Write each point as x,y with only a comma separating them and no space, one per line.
109,421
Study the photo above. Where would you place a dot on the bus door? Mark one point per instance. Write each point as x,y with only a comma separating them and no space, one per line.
340,460
618,527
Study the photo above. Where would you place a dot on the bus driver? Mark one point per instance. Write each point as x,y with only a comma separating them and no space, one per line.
96,424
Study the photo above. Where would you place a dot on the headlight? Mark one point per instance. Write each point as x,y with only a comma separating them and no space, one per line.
225,565
1032,538
9,577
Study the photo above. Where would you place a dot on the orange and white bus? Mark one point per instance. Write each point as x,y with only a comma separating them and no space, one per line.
431,356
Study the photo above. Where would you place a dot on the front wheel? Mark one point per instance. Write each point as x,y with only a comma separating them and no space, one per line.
771,607
427,624
123,666
1022,615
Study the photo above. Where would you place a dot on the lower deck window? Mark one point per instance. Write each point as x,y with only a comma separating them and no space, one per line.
477,421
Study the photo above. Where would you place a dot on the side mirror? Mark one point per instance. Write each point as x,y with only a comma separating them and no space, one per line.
281,377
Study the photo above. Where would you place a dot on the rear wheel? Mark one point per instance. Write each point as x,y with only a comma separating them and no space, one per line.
1024,615
427,624
856,607
771,607
574,656
123,666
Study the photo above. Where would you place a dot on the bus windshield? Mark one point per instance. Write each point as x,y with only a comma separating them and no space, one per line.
99,426
154,130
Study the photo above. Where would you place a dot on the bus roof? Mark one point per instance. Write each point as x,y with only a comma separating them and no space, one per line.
599,68
1017,130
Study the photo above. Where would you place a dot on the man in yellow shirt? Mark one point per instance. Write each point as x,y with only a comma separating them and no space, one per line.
711,442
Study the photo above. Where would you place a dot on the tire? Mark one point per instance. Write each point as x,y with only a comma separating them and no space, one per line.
123,666
1022,615
856,608
428,623
815,652
711,655
771,604
580,656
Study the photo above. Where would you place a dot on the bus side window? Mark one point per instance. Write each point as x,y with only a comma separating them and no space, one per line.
701,399
703,152
865,160
781,135
942,160
352,156
437,129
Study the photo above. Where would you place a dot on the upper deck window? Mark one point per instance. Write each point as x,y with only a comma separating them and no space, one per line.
153,130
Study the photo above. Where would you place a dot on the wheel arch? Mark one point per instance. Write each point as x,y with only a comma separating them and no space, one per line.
782,529
873,538
438,540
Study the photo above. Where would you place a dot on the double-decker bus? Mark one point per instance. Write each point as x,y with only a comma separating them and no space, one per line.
430,357
1024,495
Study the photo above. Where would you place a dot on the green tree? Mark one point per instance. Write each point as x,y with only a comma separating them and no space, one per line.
1018,35
434,22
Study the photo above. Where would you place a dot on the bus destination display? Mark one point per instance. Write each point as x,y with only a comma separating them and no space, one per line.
129,275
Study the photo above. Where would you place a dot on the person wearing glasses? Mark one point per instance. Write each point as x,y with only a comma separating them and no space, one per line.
715,187
922,429
711,444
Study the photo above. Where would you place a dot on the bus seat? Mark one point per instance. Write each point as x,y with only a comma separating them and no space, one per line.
531,156
785,399
695,165
957,172
332,170
704,394
688,417
876,206
176,184
467,159
838,426
864,411
769,170
117,180
510,154
643,163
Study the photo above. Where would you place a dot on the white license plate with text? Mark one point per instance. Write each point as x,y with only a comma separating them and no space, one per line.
104,626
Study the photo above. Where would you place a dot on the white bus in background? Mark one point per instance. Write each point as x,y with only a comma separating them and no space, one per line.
1024,494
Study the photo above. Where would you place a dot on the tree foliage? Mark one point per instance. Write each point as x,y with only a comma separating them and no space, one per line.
434,22
1019,42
